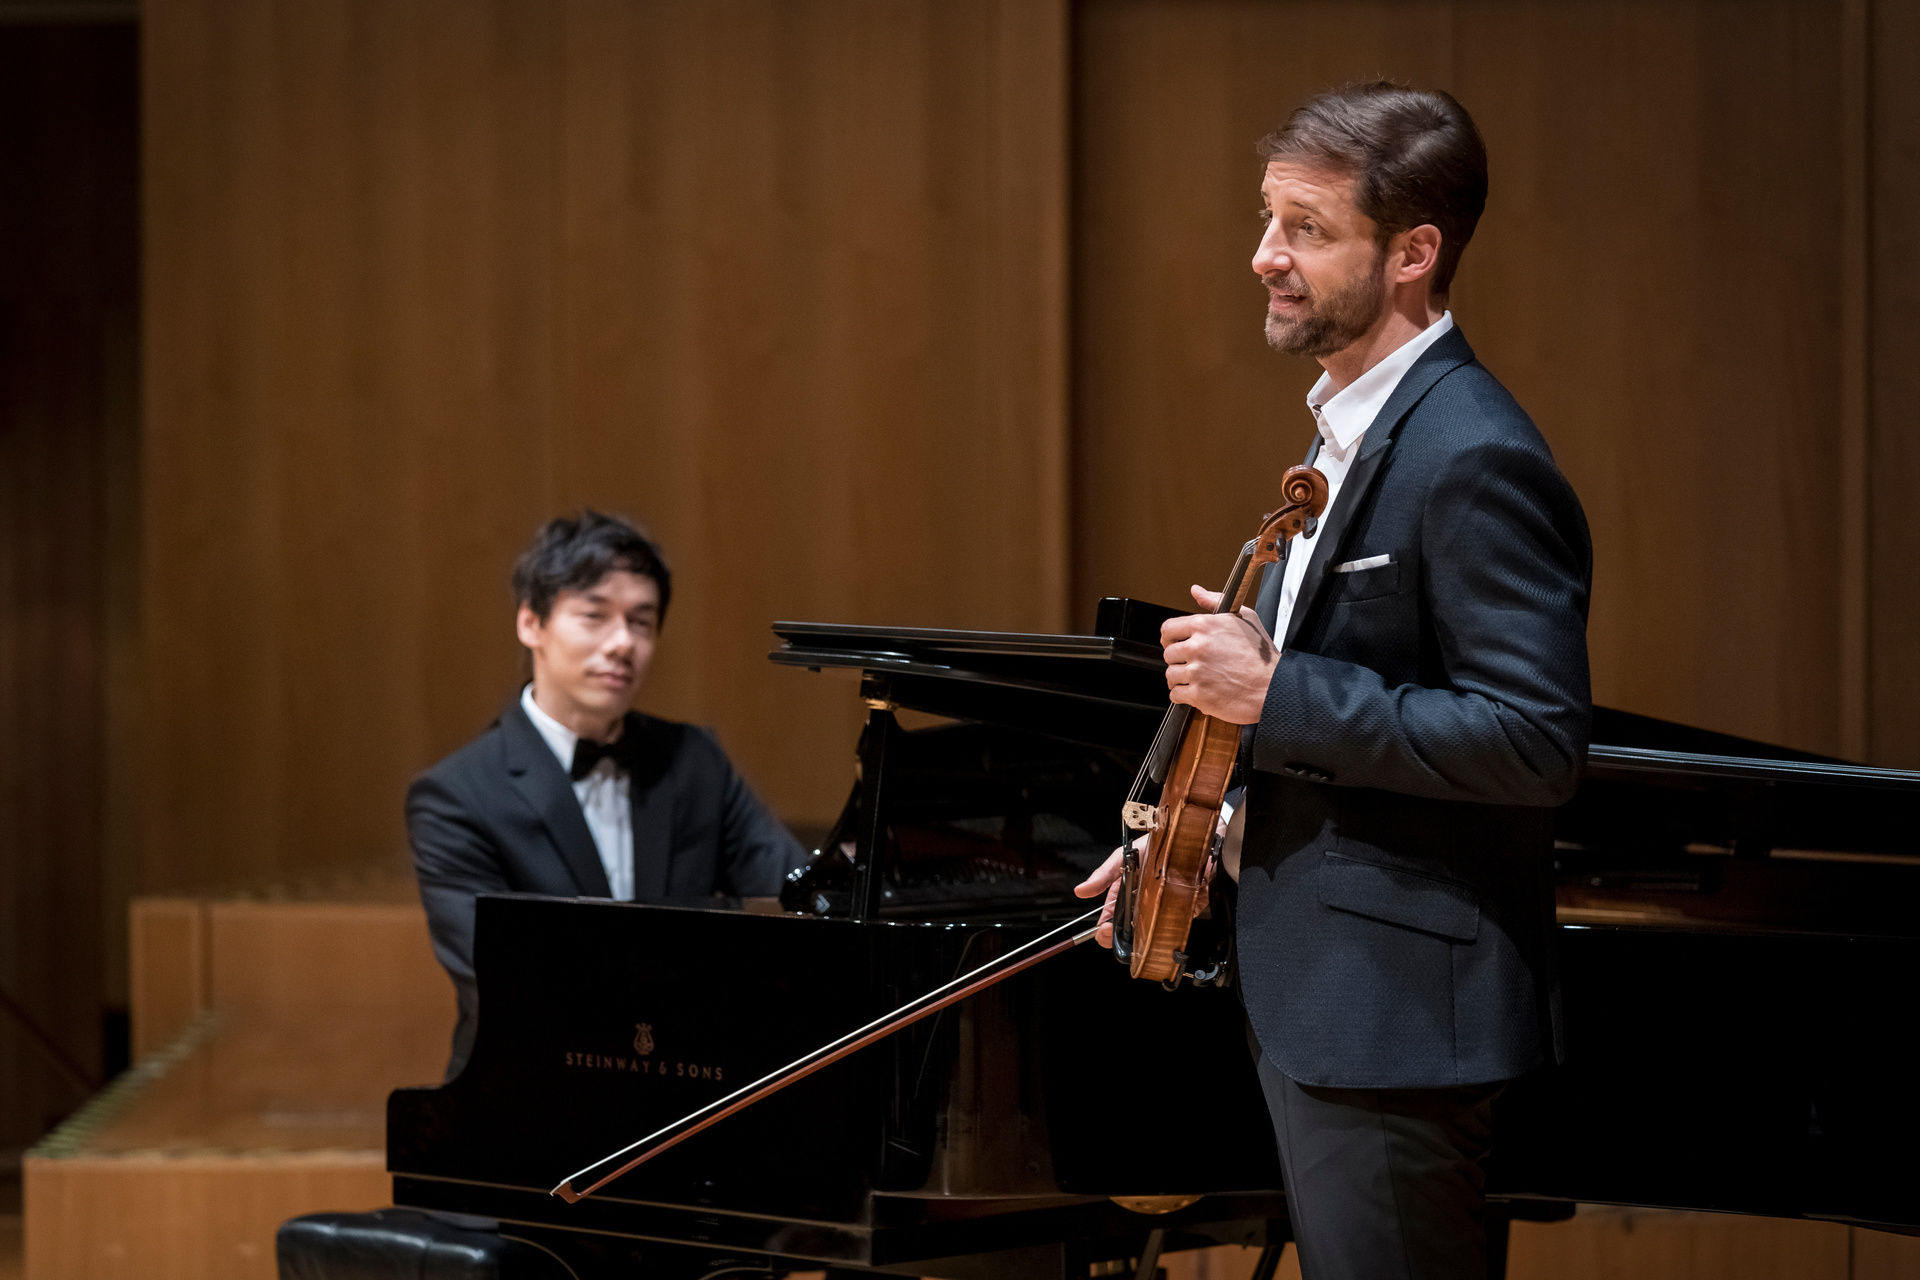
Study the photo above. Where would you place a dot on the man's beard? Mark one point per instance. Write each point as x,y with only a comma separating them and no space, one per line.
1333,322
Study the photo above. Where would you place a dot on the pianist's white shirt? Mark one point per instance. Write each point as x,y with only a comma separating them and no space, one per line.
605,800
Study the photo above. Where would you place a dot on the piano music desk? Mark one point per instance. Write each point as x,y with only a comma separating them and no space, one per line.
268,1033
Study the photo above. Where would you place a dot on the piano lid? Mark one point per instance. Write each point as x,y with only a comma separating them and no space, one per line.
1100,690
1109,689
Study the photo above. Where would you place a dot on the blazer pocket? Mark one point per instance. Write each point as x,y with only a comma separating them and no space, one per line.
1346,585
1430,904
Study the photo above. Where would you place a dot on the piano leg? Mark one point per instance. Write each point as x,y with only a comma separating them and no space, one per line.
1150,1256
870,837
1498,1219
1269,1262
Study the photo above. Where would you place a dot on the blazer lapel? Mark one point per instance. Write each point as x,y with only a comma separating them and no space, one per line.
651,804
544,785
1444,356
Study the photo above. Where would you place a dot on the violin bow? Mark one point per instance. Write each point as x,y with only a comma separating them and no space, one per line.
970,983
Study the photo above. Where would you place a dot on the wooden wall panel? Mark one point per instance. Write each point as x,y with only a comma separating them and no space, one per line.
1694,404
1227,1262
785,282
195,1217
295,958
273,958
167,955
67,280
1183,419
1688,379
1894,442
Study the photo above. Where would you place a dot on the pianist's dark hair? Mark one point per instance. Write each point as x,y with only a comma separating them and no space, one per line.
573,554
1414,153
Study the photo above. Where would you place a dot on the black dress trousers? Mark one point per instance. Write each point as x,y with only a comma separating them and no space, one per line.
1385,1184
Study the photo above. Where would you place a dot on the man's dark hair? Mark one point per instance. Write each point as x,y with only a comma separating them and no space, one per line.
573,554
1414,155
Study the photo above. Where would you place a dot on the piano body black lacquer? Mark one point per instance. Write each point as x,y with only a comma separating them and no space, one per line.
1739,956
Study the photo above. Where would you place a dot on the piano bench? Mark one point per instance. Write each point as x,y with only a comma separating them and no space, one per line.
405,1244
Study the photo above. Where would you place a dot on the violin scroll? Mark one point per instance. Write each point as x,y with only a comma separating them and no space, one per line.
1305,491
1305,494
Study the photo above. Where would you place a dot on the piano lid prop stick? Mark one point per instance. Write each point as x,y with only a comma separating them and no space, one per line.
967,984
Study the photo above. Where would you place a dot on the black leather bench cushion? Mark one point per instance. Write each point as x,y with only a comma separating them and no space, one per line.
405,1244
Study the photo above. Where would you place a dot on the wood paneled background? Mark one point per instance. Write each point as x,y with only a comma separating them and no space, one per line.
810,288
1662,278
1892,347
784,282
911,311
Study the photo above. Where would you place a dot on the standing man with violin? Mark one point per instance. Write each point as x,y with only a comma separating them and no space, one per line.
1424,711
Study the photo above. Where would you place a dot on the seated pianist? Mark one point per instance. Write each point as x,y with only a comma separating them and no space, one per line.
572,793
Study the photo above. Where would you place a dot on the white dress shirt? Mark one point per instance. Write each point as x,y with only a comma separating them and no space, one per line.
604,799
1343,419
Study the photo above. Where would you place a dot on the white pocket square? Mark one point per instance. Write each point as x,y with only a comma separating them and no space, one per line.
1355,566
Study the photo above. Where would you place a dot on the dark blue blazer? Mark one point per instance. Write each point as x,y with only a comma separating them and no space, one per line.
499,816
1395,907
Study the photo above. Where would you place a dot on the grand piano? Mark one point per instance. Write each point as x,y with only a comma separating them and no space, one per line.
1739,955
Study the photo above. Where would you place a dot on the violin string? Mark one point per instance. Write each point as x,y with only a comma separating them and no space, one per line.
830,1047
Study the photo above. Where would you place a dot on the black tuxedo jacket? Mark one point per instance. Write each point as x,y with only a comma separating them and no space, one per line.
1395,905
499,816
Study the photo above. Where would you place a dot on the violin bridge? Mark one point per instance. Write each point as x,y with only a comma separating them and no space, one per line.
1140,817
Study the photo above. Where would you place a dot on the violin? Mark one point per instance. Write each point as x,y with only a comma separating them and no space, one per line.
1159,890
1164,885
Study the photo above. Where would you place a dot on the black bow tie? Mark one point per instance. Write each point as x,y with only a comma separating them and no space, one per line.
587,753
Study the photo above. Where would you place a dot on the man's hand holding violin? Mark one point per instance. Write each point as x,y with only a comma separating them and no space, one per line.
1220,665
